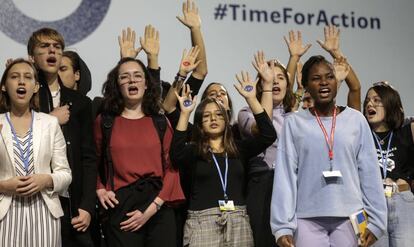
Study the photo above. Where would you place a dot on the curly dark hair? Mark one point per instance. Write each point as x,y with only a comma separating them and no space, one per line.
289,99
5,104
391,100
201,139
113,102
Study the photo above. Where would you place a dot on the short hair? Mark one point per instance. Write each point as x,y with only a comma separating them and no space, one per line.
113,101
5,104
200,138
74,59
289,99
391,100
44,33
314,60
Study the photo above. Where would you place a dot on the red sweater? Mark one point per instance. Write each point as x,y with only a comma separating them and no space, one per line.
135,150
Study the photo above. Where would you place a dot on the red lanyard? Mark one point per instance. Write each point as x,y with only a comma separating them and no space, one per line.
330,141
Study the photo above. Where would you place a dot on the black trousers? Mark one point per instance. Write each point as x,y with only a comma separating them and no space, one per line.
160,230
71,237
259,196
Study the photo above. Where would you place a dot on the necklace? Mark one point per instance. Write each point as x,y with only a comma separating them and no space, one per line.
56,94
382,140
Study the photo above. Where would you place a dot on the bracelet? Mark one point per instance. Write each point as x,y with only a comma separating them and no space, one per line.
179,77
267,91
158,206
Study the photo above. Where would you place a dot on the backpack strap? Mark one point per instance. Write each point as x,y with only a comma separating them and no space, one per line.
107,122
160,124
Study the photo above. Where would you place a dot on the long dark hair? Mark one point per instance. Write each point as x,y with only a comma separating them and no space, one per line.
113,102
205,95
5,104
289,99
391,100
201,139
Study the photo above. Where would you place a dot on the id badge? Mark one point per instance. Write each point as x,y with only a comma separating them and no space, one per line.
388,190
226,205
332,174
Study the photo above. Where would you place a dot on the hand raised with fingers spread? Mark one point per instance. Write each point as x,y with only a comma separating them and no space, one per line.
187,102
151,41
265,71
127,43
295,44
188,61
341,68
190,17
331,43
246,87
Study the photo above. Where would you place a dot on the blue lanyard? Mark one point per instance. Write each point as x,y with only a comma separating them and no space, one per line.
384,159
223,181
25,159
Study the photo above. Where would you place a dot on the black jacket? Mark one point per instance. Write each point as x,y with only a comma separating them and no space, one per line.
78,132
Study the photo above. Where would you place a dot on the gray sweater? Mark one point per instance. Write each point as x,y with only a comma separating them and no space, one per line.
301,191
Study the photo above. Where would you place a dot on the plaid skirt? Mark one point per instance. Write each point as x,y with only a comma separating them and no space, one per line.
212,227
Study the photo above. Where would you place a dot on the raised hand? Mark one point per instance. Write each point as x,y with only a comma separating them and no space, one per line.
190,17
246,87
341,68
188,61
127,43
187,102
151,41
295,44
265,71
331,43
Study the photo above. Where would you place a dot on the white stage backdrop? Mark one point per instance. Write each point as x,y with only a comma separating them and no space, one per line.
376,35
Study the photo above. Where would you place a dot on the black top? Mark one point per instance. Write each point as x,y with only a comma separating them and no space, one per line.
206,188
401,153
80,147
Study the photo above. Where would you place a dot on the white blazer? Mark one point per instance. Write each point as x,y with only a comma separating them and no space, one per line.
49,155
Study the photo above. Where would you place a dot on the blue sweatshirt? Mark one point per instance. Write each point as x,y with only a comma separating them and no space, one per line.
301,191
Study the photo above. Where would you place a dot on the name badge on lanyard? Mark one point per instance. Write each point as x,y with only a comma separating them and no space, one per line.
330,141
224,205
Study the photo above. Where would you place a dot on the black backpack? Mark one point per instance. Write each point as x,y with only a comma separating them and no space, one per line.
107,122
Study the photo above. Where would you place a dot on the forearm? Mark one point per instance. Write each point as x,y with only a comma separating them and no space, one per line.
354,85
267,99
254,105
153,61
200,71
291,69
170,101
183,121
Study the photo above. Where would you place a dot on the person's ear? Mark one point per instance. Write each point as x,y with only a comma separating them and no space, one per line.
36,89
31,58
77,76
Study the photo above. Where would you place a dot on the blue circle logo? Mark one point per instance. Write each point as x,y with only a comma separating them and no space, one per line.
74,28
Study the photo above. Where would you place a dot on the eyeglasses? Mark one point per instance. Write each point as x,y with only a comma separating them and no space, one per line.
131,76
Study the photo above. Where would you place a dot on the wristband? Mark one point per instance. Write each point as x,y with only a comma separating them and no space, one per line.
179,77
158,206
267,91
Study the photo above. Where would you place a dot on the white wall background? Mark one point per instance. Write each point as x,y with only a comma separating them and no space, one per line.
384,54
